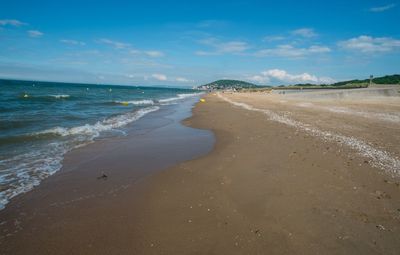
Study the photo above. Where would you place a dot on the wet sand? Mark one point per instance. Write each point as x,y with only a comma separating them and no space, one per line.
287,175
76,211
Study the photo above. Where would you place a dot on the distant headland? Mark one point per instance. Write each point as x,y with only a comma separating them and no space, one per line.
239,85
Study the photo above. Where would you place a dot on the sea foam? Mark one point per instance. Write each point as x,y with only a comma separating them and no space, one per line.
60,96
179,97
24,171
137,102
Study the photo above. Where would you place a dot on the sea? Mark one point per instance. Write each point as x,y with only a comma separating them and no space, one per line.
41,121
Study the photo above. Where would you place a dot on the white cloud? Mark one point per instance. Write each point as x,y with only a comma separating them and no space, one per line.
326,80
72,42
382,8
115,44
35,33
135,52
128,47
148,53
285,77
160,77
259,78
220,47
282,75
206,53
154,53
273,38
182,79
304,32
232,47
287,50
368,44
318,49
12,22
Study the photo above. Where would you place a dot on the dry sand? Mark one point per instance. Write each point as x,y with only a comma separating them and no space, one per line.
287,175
273,188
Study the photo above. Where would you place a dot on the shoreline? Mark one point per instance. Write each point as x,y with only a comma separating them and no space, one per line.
33,145
264,188
153,143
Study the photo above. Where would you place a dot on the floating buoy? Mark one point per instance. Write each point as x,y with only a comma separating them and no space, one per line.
202,100
125,103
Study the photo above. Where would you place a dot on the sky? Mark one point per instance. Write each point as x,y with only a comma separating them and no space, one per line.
189,43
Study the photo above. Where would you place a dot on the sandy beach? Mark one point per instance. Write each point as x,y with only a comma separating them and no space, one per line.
272,188
199,127
288,174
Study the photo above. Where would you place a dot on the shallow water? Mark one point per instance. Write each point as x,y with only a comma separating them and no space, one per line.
40,122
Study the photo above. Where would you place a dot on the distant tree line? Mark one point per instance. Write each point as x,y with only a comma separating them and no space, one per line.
236,84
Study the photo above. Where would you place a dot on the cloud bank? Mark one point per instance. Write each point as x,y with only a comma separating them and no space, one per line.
160,77
220,47
35,33
12,22
279,75
286,50
304,32
72,42
369,44
382,8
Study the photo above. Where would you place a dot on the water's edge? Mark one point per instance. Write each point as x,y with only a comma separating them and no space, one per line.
159,135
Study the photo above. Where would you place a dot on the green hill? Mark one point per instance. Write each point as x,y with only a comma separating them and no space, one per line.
236,84
388,79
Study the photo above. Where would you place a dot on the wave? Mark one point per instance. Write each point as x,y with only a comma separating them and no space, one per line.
27,170
107,124
24,171
51,97
60,96
152,102
179,97
136,102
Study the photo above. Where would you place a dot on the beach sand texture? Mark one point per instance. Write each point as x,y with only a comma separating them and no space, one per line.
270,187
287,175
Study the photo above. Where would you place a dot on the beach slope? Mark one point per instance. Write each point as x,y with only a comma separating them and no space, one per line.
273,188
287,175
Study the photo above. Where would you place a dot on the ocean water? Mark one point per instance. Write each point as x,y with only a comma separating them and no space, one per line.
41,121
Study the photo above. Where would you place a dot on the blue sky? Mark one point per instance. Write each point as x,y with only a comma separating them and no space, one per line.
185,43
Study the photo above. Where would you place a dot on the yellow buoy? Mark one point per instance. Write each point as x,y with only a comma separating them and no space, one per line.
125,103
202,100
